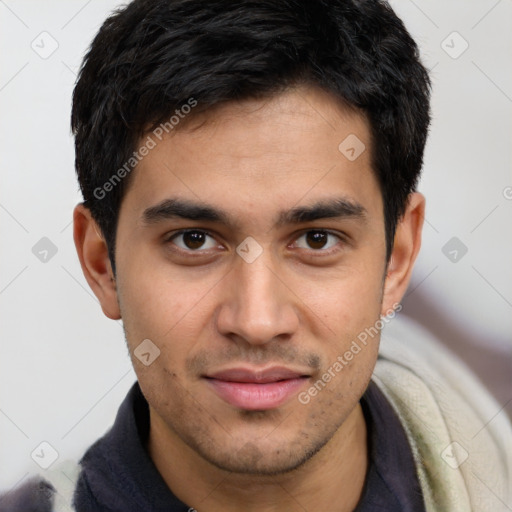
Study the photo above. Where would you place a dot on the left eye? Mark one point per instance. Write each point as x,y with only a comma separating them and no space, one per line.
193,239
317,240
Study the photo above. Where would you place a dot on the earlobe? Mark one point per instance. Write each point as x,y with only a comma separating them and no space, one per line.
406,246
93,255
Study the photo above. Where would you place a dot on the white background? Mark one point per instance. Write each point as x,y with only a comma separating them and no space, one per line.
64,367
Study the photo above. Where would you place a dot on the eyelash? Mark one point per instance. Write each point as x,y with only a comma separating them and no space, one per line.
316,252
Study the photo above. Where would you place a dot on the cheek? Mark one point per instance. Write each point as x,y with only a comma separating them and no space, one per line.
347,309
346,301
156,304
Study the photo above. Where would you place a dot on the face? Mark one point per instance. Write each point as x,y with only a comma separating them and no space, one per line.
251,253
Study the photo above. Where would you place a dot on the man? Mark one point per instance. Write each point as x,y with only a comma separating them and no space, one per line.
250,212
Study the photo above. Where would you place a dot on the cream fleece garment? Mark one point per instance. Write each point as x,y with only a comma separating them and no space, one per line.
461,437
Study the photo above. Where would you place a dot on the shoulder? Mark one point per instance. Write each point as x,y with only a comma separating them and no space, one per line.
50,491
461,438
63,478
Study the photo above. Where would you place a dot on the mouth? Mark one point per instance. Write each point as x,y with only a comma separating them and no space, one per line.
256,390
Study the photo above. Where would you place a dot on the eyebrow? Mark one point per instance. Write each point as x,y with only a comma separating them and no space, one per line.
172,208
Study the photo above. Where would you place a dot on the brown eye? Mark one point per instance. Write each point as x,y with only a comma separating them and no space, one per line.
193,240
317,240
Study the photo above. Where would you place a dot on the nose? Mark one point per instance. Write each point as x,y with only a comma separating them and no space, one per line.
258,306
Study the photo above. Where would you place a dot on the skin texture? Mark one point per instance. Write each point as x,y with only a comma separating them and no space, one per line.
298,304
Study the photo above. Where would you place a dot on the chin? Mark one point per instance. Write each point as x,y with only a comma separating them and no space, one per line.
259,459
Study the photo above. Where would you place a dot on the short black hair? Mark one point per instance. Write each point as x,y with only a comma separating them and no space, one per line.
152,57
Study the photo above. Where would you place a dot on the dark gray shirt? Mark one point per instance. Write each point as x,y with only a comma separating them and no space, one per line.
118,474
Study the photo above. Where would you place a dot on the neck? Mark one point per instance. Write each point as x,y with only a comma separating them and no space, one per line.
335,474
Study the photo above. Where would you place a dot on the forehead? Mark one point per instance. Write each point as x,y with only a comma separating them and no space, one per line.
299,146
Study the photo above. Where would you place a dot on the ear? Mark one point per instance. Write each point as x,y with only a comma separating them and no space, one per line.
406,246
93,255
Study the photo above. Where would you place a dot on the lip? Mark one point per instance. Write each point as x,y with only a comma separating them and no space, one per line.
256,390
